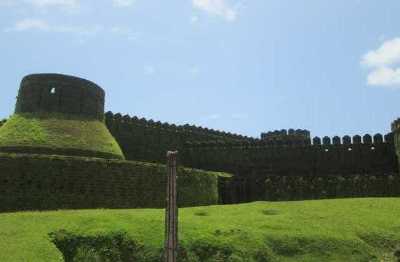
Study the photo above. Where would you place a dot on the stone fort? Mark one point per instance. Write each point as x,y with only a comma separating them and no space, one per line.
283,164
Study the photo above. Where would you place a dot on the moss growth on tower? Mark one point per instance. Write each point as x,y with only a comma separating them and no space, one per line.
59,115
59,134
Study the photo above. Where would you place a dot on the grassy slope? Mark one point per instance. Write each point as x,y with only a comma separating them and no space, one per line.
57,131
326,230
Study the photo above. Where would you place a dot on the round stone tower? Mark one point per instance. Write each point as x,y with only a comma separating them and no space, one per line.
60,94
59,115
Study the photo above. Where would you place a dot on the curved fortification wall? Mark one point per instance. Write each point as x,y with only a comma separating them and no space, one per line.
60,94
40,182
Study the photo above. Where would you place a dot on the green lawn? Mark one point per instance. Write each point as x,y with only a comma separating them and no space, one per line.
324,230
58,132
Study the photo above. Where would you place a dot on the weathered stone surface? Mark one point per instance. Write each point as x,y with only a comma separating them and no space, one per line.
60,94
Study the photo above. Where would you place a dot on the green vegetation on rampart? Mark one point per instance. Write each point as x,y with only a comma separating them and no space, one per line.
57,134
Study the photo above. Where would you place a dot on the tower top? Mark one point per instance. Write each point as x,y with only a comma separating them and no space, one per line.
60,94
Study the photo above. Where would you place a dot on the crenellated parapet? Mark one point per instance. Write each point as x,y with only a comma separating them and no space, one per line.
143,139
201,132
287,136
252,161
148,140
366,139
325,141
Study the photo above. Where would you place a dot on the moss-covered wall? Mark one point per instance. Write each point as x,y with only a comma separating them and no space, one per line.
58,134
251,164
38,182
294,160
146,140
282,188
252,160
331,186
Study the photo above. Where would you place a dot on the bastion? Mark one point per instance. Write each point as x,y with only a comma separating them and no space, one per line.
59,114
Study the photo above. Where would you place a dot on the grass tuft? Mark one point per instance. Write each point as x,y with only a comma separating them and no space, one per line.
201,213
270,212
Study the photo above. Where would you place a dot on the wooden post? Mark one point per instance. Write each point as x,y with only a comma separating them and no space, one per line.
171,211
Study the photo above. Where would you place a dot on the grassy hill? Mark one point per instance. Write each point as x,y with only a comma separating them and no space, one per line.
324,230
57,134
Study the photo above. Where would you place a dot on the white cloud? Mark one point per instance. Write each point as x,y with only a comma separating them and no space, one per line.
384,76
68,4
7,3
387,54
217,7
194,19
123,3
133,37
32,24
125,32
149,70
213,117
194,70
239,116
121,30
383,63
83,32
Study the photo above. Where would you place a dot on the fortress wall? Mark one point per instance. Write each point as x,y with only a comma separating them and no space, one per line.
253,160
282,188
39,182
146,140
304,160
253,163
60,94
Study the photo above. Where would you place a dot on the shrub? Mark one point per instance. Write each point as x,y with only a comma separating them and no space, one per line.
118,247
112,247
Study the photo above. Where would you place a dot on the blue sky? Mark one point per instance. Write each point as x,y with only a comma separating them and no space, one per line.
244,66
